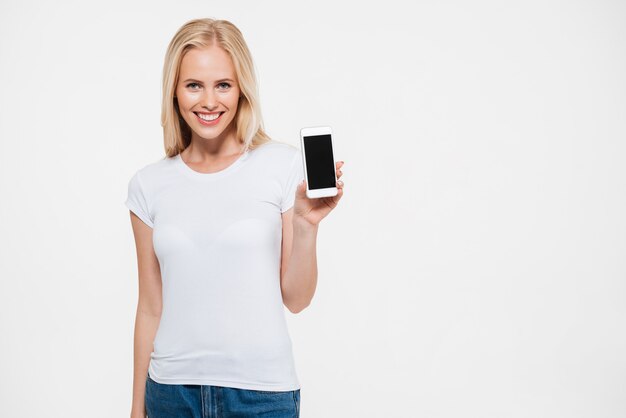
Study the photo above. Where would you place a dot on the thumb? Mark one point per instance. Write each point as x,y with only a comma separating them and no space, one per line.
301,190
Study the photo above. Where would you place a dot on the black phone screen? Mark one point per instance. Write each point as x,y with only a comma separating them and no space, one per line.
320,166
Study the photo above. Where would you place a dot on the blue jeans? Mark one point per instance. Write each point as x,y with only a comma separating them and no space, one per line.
202,401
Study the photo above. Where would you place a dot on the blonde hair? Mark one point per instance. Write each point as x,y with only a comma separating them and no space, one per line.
201,33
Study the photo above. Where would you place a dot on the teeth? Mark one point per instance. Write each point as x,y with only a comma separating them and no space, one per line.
208,117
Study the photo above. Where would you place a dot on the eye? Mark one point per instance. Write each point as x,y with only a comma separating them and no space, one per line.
224,84
192,84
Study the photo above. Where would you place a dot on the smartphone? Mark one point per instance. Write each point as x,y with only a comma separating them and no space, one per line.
319,161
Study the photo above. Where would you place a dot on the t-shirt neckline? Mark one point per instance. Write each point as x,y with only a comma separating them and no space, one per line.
190,172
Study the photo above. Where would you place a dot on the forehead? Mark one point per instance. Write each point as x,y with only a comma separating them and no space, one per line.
207,63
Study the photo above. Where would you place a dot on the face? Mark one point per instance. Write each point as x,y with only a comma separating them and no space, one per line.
207,89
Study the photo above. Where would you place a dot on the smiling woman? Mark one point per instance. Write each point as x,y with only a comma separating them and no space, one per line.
226,239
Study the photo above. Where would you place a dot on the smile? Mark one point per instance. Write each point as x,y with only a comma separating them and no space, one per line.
209,119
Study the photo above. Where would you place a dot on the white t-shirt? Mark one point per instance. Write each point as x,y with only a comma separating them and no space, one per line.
218,239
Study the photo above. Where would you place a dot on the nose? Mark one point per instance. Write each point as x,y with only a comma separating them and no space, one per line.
209,100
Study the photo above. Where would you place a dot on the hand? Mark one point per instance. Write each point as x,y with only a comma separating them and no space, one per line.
312,211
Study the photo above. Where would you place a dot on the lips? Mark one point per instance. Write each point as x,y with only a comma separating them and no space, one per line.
206,118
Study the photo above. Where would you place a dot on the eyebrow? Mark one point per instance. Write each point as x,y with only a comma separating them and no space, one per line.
217,81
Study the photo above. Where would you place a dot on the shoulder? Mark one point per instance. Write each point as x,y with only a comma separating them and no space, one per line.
275,161
153,171
278,153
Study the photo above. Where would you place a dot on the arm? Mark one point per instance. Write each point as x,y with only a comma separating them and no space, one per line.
298,270
299,262
148,315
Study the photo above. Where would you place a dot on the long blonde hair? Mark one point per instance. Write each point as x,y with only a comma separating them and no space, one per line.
200,33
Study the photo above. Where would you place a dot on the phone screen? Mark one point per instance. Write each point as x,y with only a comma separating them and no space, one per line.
320,166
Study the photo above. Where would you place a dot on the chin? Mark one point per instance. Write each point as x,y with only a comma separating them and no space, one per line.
211,133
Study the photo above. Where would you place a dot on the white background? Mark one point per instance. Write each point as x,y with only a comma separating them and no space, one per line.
476,266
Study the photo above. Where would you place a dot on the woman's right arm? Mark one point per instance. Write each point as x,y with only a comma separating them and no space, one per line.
149,307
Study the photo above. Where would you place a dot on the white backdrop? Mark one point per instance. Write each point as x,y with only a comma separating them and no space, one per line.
475,266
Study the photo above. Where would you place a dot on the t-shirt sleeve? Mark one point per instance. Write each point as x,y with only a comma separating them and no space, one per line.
136,200
294,176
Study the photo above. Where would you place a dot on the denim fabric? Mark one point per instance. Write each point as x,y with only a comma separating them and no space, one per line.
202,401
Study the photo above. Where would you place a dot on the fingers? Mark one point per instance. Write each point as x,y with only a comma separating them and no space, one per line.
339,164
339,193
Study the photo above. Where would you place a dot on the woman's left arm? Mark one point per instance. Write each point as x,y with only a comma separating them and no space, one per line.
298,272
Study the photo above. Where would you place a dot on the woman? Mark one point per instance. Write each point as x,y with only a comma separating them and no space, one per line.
225,235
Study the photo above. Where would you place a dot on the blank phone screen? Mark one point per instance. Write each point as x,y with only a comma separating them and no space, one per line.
320,167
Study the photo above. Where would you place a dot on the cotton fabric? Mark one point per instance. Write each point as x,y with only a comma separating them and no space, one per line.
217,237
